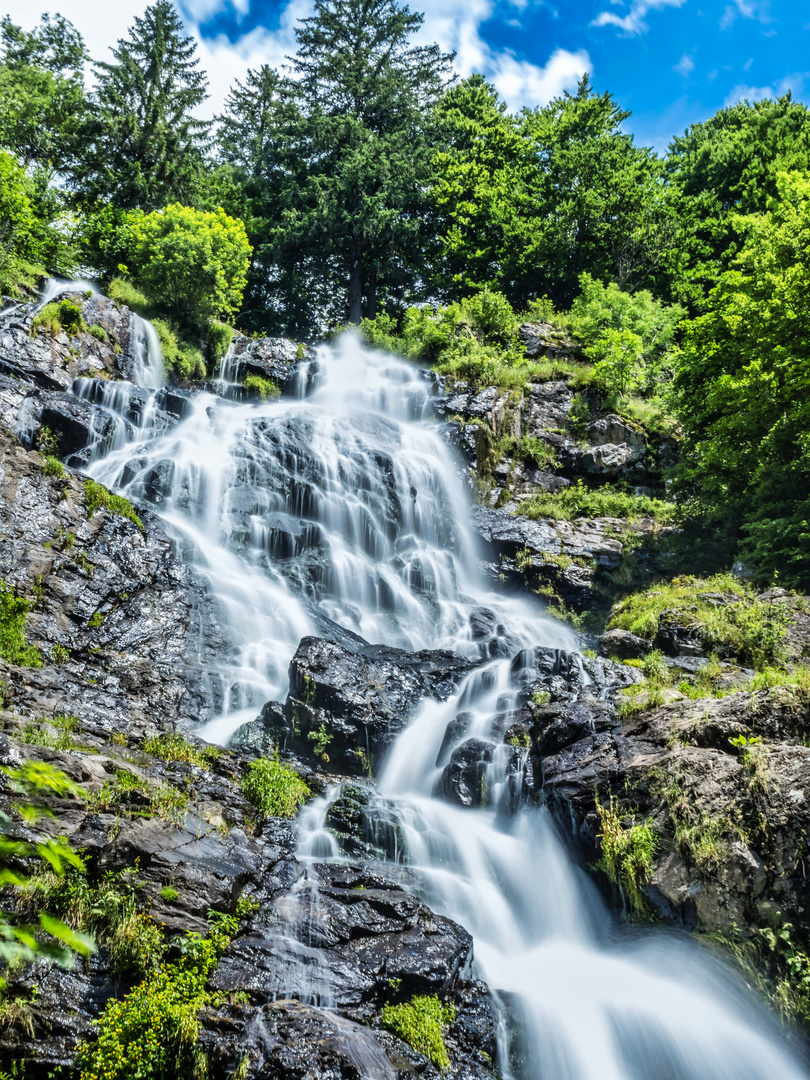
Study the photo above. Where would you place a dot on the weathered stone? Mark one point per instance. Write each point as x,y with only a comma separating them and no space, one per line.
622,645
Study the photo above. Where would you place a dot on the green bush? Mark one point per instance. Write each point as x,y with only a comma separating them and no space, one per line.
98,332
275,790
191,262
54,317
180,359
491,314
220,336
21,240
169,894
266,389
420,1022
606,501
13,647
127,294
96,496
52,466
753,629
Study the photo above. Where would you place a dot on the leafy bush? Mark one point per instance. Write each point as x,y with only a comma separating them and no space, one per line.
52,466
21,240
98,332
627,853
220,336
96,496
181,360
606,501
169,894
65,315
724,612
192,262
275,790
152,1033
491,314
13,647
127,294
419,1022
266,389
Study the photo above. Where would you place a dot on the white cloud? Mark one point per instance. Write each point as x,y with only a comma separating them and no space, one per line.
633,22
454,24
745,9
685,66
794,83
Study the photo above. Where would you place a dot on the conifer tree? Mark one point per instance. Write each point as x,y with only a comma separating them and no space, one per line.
145,144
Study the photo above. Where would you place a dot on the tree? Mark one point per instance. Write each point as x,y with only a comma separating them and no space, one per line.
42,98
726,166
190,262
22,236
144,144
360,160
742,390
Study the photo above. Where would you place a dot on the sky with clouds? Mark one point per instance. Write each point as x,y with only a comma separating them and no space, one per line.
671,62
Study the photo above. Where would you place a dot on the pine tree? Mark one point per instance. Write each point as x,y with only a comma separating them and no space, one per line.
366,97
146,147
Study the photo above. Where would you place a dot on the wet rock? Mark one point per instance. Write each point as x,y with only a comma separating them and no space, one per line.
609,461
364,826
278,359
464,778
613,430
114,615
360,700
729,824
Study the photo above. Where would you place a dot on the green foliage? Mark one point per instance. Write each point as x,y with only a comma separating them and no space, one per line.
275,790
36,782
152,1032
55,731
742,392
169,894
420,1023
264,389
320,739
21,241
191,262
606,501
219,340
52,466
127,294
96,496
13,647
144,147
182,360
55,317
628,852
98,332
172,746
753,629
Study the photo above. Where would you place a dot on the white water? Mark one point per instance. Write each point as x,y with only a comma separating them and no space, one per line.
350,506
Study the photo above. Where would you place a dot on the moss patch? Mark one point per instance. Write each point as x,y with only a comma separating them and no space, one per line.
420,1023
97,496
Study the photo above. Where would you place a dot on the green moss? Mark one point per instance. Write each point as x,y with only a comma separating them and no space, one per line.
275,790
628,851
95,620
13,646
98,332
52,466
265,389
420,1023
723,611
96,496
169,894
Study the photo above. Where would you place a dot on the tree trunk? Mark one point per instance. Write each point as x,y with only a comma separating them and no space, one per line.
356,286
371,292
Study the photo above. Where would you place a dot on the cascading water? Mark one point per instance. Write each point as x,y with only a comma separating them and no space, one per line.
348,508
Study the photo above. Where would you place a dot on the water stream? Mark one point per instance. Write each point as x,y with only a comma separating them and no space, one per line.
348,507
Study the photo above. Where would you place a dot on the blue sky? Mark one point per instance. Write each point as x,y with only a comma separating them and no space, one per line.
671,62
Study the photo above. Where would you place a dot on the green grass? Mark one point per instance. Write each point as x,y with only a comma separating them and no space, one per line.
181,358
52,466
98,332
265,389
172,746
13,647
56,732
58,316
628,851
274,789
580,501
420,1023
124,292
753,630
96,496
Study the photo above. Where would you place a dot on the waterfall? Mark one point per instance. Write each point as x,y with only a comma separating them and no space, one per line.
348,507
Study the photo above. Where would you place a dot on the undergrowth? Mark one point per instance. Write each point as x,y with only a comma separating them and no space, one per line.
276,790
173,746
265,389
96,496
580,501
627,853
13,647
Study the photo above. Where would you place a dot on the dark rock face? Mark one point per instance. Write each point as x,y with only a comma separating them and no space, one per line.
729,823
273,358
360,700
622,645
542,339
115,616
54,362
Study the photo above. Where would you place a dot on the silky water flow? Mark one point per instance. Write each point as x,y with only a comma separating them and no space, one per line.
347,509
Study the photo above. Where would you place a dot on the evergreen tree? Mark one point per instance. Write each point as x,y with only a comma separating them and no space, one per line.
145,147
361,156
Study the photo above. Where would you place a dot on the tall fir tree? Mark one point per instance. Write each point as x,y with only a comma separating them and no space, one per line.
145,145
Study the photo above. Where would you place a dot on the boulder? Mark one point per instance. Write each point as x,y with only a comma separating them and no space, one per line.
359,700
613,430
622,645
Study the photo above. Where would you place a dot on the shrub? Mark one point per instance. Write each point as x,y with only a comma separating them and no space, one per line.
65,315
220,336
98,332
275,790
127,294
96,496
20,231
627,853
181,360
266,389
491,314
52,466
13,647
192,262
420,1022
